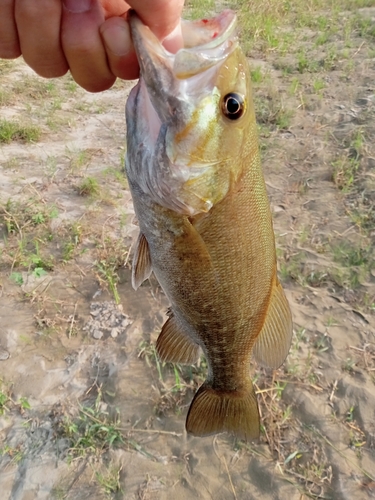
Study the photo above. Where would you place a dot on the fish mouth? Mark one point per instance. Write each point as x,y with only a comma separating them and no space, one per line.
170,77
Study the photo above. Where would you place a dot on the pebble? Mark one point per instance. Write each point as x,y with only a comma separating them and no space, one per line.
3,354
97,334
114,332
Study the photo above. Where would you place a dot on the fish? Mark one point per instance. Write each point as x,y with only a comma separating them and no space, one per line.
206,233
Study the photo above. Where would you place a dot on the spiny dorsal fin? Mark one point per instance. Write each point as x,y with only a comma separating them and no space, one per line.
141,268
273,343
214,411
174,346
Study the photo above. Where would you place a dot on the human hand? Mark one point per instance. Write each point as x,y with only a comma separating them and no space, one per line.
91,38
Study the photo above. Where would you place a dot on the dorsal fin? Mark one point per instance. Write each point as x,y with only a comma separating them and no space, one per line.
273,343
141,268
174,345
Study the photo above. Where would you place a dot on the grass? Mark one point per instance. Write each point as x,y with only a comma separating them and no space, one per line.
110,480
7,403
4,402
35,88
92,431
351,266
89,186
199,10
18,216
111,257
13,131
271,111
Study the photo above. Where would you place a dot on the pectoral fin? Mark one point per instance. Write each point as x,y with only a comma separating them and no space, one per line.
141,268
273,343
174,345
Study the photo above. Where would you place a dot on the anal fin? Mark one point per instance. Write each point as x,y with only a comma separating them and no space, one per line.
174,345
214,411
273,343
141,268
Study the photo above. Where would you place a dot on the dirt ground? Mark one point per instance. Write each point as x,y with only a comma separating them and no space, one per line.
86,409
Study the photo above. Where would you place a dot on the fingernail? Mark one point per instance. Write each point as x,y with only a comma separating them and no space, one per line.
77,6
116,37
174,41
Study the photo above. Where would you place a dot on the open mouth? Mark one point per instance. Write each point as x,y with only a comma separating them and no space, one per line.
206,42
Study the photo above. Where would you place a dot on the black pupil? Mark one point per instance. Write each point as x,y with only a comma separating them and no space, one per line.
233,106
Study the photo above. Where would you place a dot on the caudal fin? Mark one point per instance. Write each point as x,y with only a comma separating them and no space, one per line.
214,411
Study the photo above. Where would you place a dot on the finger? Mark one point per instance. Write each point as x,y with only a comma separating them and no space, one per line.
119,47
161,16
9,44
83,46
38,24
114,8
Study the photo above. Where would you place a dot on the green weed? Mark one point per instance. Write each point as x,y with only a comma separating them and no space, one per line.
5,98
199,10
36,88
344,172
89,187
17,278
270,111
110,480
92,431
15,454
348,365
4,402
318,85
112,255
14,131
257,75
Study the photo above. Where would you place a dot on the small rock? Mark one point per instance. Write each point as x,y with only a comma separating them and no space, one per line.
97,334
3,354
114,332
362,101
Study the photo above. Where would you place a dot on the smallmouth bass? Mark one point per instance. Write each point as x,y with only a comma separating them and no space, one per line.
206,231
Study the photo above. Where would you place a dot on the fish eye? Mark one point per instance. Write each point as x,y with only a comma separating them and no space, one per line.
233,106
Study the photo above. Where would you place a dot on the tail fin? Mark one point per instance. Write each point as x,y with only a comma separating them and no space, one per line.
213,411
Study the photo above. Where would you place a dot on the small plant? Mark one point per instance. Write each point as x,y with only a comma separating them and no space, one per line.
302,62
4,402
349,365
318,85
111,257
110,480
257,74
344,171
15,454
349,417
17,278
108,274
93,431
13,131
89,187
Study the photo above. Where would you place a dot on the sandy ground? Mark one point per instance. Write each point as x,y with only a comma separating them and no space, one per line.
86,409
